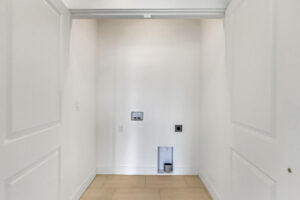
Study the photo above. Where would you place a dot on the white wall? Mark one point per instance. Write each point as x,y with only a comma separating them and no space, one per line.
152,66
214,109
79,140
115,4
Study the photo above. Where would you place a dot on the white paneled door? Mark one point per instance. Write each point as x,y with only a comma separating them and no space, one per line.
33,55
263,49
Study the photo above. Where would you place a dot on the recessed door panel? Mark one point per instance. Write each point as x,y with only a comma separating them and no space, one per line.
34,65
249,182
253,65
38,181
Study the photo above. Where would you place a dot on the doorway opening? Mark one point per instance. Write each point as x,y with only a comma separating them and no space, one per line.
172,71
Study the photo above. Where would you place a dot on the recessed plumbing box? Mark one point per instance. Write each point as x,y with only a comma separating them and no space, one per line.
165,159
137,116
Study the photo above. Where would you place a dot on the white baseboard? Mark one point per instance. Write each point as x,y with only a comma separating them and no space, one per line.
81,189
104,170
125,170
211,188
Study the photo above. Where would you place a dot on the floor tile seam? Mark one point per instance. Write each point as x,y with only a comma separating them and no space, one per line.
160,197
113,193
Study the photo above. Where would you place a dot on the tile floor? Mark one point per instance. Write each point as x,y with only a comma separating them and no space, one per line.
119,187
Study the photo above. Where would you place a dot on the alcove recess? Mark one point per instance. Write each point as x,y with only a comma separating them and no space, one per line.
165,157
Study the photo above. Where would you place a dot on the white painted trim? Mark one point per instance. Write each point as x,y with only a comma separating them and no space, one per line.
126,170
210,187
81,188
148,13
105,170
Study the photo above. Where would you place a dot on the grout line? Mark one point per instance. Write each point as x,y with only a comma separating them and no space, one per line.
187,184
159,191
113,193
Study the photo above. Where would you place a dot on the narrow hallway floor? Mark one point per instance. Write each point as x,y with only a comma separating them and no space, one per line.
121,187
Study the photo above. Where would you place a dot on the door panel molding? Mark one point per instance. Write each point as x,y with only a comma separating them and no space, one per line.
260,185
28,171
266,124
53,7
46,125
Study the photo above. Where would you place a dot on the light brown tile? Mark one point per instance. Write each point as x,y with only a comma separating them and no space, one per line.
118,187
98,194
186,194
136,194
98,181
120,181
193,181
165,182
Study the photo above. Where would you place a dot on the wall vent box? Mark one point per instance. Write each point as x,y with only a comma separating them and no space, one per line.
137,116
165,157
178,128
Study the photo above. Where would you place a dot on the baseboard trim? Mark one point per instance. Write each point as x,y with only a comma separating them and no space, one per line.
210,187
81,188
125,170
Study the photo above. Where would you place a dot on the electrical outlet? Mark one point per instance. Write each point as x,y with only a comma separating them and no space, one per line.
178,128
